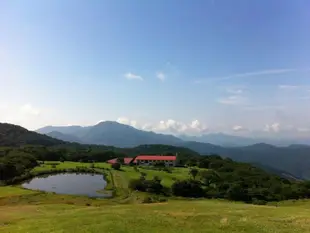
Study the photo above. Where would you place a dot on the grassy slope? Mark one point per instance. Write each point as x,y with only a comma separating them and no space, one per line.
127,172
34,212
29,211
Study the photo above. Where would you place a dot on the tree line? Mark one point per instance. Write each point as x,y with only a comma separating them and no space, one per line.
215,177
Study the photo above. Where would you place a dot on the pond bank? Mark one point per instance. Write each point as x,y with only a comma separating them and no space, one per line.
81,184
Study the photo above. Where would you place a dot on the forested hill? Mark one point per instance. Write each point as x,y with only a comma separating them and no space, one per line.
14,135
293,160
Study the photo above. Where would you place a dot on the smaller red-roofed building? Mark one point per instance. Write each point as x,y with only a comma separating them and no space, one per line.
115,160
149,160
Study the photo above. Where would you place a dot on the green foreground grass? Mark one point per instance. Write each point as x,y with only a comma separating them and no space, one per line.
33,211
29,211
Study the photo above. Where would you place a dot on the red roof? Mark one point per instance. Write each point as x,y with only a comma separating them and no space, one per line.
126,160
112,161
155,157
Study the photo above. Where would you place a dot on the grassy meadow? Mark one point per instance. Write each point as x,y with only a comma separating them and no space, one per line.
126,173
29,211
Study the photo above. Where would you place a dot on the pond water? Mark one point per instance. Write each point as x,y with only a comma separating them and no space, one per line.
70,183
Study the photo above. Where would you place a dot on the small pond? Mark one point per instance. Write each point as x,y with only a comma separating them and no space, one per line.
70,183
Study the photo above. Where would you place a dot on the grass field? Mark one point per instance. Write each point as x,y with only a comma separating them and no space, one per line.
29,211
126,172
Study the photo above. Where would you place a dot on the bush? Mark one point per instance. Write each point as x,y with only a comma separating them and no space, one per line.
137,184
187,188
147,200
52,163
143,174
193,172
167,169
259,202
153,199
151,186
116,166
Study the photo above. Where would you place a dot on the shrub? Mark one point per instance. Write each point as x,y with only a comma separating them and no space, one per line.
147,200
143,174
153,199
137,184
259,202
52,163
187,188
151,186
168,169
193,172
116,166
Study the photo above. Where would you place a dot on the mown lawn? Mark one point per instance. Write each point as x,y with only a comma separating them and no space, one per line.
50,213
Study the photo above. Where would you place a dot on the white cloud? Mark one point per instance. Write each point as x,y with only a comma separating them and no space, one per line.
126,121
303,129
288,87
167,126
233,100
238,128
175,127
161,76
235,91
250,74
27,115
264,107
131,76
275,127
28,109
294,87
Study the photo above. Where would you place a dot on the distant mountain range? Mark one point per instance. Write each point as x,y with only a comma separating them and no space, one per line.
227,140
109,133
97,135
293,160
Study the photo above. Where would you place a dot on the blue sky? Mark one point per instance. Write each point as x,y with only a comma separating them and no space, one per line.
167,65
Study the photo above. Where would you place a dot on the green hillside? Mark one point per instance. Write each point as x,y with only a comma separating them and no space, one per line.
24,211
14,135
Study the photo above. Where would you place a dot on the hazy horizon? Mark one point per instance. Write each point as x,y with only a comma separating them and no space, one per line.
239,67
